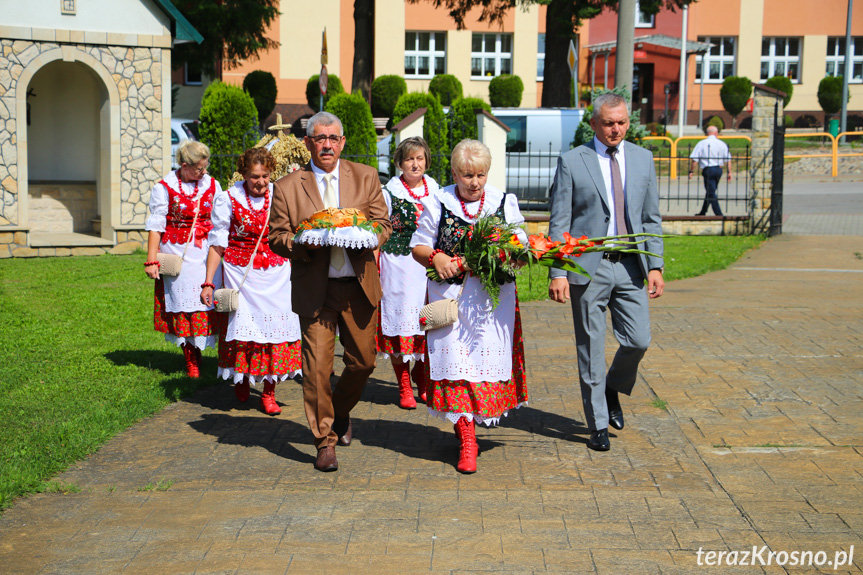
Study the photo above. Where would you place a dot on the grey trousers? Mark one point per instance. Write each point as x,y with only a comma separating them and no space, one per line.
618,287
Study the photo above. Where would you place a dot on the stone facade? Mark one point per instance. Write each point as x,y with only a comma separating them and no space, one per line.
764,112
135,79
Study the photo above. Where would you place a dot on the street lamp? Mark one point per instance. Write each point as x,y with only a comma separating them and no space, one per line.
665,118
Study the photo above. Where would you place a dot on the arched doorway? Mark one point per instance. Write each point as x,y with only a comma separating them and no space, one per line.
65,136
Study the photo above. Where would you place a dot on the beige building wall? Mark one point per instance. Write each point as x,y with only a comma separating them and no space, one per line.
525,51
812,70
300,44
389,37
749,39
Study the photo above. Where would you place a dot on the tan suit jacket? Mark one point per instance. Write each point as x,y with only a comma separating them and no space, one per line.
295,198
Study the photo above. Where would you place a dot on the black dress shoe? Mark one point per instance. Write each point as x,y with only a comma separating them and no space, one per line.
343,428
599,440
615,417
326,459
615,412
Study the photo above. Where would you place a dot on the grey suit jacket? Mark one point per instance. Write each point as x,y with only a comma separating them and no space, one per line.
579,204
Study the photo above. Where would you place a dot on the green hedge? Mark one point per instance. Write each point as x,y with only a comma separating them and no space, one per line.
261,86
734,93
435,129
356,117
313,91
830,94
505,91
782,84
446,87
228,120
715,121
462,118
386,91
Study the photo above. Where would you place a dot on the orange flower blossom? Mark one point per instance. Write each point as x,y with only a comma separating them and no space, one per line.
539,245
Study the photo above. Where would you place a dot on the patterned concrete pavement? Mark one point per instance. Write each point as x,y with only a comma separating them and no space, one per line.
758,446
813,207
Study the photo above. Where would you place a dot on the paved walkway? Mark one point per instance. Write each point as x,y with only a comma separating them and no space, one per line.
829,207
759,367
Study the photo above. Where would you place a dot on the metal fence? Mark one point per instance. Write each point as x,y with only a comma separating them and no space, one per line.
530,174
684,195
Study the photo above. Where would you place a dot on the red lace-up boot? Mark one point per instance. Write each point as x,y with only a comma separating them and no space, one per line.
406,392
241,390
268,399
418,373
192,364
468,448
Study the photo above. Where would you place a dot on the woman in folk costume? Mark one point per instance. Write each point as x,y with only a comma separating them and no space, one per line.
262,340
476,365
183,198
404,280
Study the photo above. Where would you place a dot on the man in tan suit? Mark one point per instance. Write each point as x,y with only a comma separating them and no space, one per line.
331,287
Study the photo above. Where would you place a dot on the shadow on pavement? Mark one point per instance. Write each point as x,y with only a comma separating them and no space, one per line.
273,434
551,425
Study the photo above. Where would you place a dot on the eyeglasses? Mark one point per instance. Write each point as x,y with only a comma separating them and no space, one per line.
198,171
324,138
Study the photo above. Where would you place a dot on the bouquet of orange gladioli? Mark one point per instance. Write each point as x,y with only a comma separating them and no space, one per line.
546,252
491,251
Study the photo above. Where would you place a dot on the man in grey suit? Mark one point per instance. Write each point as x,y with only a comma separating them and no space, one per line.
607,187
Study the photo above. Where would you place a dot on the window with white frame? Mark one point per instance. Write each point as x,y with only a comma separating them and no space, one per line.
491,55
540,58
836,58
718,61
780,57
425,54
643,20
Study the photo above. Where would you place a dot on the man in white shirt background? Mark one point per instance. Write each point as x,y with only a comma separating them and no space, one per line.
710,154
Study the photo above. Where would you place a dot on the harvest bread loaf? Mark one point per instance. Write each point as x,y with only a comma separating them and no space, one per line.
337,218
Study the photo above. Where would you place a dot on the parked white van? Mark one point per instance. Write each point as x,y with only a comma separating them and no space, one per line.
537,137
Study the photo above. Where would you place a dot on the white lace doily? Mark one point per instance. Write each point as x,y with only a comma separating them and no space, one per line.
350,237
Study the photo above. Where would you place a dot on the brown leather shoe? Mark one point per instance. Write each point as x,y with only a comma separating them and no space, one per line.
326,460
343,428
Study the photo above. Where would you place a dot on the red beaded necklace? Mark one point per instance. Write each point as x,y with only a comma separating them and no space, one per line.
264,208
411,192
464,208
182,191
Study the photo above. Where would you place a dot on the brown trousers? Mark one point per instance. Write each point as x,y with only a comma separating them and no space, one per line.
346,307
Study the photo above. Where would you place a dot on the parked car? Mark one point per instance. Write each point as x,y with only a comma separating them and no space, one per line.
537,137
181,130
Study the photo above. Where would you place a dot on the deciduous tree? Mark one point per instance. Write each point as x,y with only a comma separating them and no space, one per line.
233,30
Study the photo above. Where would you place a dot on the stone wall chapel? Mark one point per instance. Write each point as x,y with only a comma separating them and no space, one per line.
85,112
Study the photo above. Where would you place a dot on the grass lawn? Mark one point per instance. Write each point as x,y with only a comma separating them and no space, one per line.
80,362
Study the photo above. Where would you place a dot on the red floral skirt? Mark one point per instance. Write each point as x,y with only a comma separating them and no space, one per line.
485,400
183,324
400,344
261,359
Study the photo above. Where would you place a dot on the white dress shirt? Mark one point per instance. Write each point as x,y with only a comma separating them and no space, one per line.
347,270
710,152
605,168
